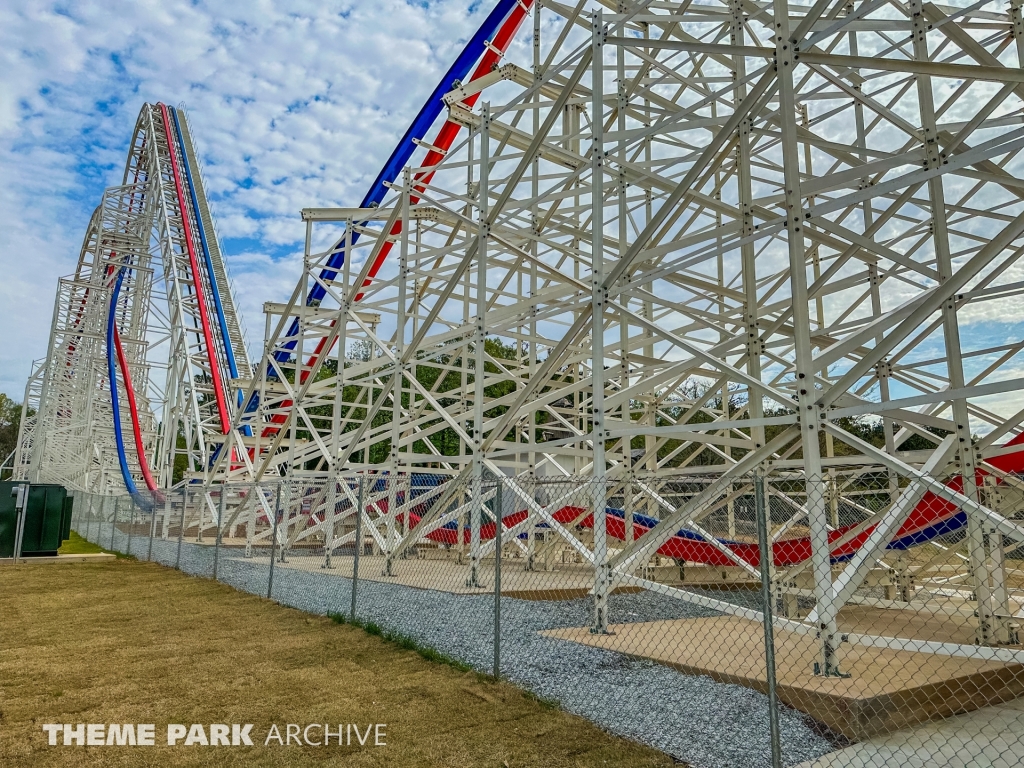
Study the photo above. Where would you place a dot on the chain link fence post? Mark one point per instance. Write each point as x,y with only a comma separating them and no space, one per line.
330,515
273,540
113,523
252,504
202,517
21,509
358,544
285,503
220,524
165,524
765,551
181,526
131,524
152,531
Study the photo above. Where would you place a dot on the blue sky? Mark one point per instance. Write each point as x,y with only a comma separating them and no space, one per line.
292,105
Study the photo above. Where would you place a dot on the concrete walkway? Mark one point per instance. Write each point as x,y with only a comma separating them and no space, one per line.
992,737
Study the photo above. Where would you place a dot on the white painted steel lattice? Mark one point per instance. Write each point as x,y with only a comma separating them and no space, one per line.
149,280
682,239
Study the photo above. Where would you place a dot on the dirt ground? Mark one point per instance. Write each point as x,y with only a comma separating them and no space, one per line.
129,642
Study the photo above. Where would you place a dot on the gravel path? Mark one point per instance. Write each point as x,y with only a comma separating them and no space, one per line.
692,718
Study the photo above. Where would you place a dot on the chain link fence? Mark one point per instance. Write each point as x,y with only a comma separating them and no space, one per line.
756,620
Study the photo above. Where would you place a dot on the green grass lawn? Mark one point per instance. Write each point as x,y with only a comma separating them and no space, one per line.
76,545
131,642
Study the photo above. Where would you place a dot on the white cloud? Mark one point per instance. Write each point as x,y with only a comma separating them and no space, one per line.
291,106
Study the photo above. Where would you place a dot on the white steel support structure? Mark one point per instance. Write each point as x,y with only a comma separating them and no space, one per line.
598,297
771,222
65,441
140,231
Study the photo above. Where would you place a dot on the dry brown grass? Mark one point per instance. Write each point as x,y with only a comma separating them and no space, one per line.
129,642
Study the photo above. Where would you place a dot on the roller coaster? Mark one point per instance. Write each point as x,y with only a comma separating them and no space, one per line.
642,252
145,341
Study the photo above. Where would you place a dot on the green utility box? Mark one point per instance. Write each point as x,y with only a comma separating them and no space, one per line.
47,520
